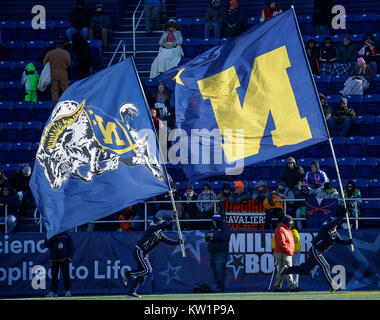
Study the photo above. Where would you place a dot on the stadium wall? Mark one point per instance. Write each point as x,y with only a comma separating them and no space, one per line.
99,258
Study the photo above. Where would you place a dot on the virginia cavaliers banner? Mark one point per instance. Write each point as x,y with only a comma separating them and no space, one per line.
248,100
98,153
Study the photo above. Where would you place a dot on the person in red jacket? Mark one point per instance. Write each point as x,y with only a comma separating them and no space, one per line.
270,11
283,252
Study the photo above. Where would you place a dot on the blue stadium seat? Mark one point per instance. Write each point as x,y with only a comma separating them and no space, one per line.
374,187
1,131
328,166
25,31
355,146
337,83
48,33
12,131
8,30
10,168
266,170
181,185
6,70
337,39
357,38
218,185
304,162
370,209
363,125
13,91
367,22
185,24
347,167
96,50
252,183
351,24
198,27
32,131
249,172
42,110
23,111
306,24
355,102
319,37
272,184
376,83
208,43
372,148
323,83
333,100
376,125
33,49
366,167
20,67
313,151
371,104
5,151
199,184
191,47
33,151
60,28
2,92
21,151
361,183
338,145
15,49
6,111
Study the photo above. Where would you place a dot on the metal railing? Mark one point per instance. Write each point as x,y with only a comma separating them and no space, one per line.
5,218
135,26
37,219
123,55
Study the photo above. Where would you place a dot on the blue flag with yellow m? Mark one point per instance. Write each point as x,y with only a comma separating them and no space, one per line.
248,100
98,152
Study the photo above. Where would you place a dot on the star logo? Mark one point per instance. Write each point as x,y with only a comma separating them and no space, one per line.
236,263
171,273
193,245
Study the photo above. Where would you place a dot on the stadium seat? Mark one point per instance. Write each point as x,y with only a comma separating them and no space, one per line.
333,101
12,131
371,104
366,167
252,183
21,151
6,111
25,31
337,83
15,50
363,125
367,22
252,21
376,83
356,38
266,170
319,37
33,151
60,28
32,131
181,185
328,166
363,185
218,185
376,126
338,145
323,83
372,146
337,39
20,67
10,168
8,30
2,92
33,49
347,167
313,151
208,43
355,146
374,186
272,184
23,111
42,110
191,47
96,50
48,33
199,184
306,24
370,209
185,24
355,102
6,70
249,172
351,24
13,91
198,27
5,152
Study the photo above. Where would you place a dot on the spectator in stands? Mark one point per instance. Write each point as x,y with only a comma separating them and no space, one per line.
233,20
270,11
206,209
3,179
315,177
360,79
156,121
226,191
327,192
345,56
313,53
214,19
61,251
127,215
352,192
322,16
80,18
20,183
325,106
152,209
190,210
84,56
286,194
152,10
100,26
342,119
283,253
218,239
274,206
370,52
292,175
327,57
9,198
304,193
30,78
170,52
59,60
161,95
239,193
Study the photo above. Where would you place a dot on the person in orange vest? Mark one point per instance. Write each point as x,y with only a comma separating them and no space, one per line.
283,253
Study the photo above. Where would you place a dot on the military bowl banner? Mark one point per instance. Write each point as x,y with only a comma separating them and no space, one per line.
101,257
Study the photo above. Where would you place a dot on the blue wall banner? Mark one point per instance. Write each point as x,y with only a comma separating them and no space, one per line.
101,257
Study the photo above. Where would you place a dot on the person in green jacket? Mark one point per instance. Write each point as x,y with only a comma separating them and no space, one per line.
30,78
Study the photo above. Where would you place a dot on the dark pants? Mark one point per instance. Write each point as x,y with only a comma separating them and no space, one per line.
144,268
314,258
218,261
65,267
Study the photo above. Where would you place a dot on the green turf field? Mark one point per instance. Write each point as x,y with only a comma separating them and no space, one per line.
307,295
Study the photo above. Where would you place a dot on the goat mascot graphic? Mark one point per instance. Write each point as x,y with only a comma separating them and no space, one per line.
76,144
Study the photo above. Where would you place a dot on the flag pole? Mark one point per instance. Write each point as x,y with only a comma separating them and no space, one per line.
179,231
327,130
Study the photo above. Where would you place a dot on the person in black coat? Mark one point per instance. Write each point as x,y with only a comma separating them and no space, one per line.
9,198
80,18
293,175
84,56
312,51
218,239
61,253
322,16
